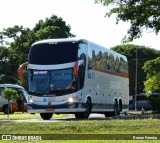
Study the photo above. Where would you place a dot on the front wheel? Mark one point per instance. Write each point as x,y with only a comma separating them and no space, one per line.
86,113
46,116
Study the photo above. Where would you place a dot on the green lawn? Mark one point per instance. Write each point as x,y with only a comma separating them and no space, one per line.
114,126
23,116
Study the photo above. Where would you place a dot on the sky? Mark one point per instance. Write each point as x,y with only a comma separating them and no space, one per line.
87,20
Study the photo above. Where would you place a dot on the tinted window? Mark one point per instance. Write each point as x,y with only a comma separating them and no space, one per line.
53,53
1,90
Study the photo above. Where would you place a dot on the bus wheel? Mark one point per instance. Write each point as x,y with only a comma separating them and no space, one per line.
116,109
79,115
108,114
87,113
120,106
88,109
46,116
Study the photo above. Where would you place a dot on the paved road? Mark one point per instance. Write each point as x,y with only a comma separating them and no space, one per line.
70,117
92,117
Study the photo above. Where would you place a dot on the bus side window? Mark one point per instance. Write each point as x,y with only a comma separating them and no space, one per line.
82,51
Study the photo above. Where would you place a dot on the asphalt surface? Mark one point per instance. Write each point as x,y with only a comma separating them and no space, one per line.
71,117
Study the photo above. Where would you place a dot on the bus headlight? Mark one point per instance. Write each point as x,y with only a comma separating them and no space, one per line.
71,100
30,100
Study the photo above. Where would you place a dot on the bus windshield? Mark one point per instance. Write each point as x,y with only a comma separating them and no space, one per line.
53,53
56,82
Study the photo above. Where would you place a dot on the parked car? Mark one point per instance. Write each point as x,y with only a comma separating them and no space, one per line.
142,102
19,105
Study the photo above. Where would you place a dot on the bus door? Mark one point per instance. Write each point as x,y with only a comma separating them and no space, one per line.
82,57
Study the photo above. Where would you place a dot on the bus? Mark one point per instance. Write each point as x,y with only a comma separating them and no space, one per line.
75,76
143,102
19,105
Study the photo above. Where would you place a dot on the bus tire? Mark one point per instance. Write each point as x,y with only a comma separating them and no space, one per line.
88,108
87,112
120,106
79,115
46,116
108,114
116,109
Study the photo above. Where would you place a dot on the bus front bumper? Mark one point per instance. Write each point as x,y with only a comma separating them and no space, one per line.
61,108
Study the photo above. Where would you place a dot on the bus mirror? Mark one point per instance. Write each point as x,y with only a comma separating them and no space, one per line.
20,69
75,69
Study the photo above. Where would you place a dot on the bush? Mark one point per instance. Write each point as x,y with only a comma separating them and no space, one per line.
155,102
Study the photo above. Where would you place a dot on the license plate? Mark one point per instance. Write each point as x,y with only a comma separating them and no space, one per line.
49,109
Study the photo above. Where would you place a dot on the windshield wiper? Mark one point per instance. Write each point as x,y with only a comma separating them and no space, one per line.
71,85
35,92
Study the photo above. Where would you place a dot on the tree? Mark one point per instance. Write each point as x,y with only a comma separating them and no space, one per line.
144,54
152,68
140,13
9,94
8,65
14,51
52,27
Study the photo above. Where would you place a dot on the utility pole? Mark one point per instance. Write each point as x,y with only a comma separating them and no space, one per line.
136,83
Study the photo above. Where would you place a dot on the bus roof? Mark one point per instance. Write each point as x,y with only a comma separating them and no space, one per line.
78,40
60,40
11,85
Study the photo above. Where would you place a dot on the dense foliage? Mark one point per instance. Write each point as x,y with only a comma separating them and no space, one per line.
143,54
142,15
16,41
9,94
152,68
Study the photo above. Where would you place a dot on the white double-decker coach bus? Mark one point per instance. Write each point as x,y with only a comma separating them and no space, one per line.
75,76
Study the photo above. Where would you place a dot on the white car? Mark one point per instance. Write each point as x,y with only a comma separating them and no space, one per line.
18,105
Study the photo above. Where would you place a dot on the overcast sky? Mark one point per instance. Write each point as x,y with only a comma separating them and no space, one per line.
87,20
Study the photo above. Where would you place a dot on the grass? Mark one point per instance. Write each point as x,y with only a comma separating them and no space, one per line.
24,116
114,126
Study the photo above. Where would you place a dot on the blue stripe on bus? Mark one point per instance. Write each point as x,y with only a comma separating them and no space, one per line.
74,105
61,106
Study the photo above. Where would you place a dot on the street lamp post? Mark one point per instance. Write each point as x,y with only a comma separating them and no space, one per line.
136,83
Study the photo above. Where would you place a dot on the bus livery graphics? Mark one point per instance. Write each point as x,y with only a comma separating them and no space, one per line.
76,76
